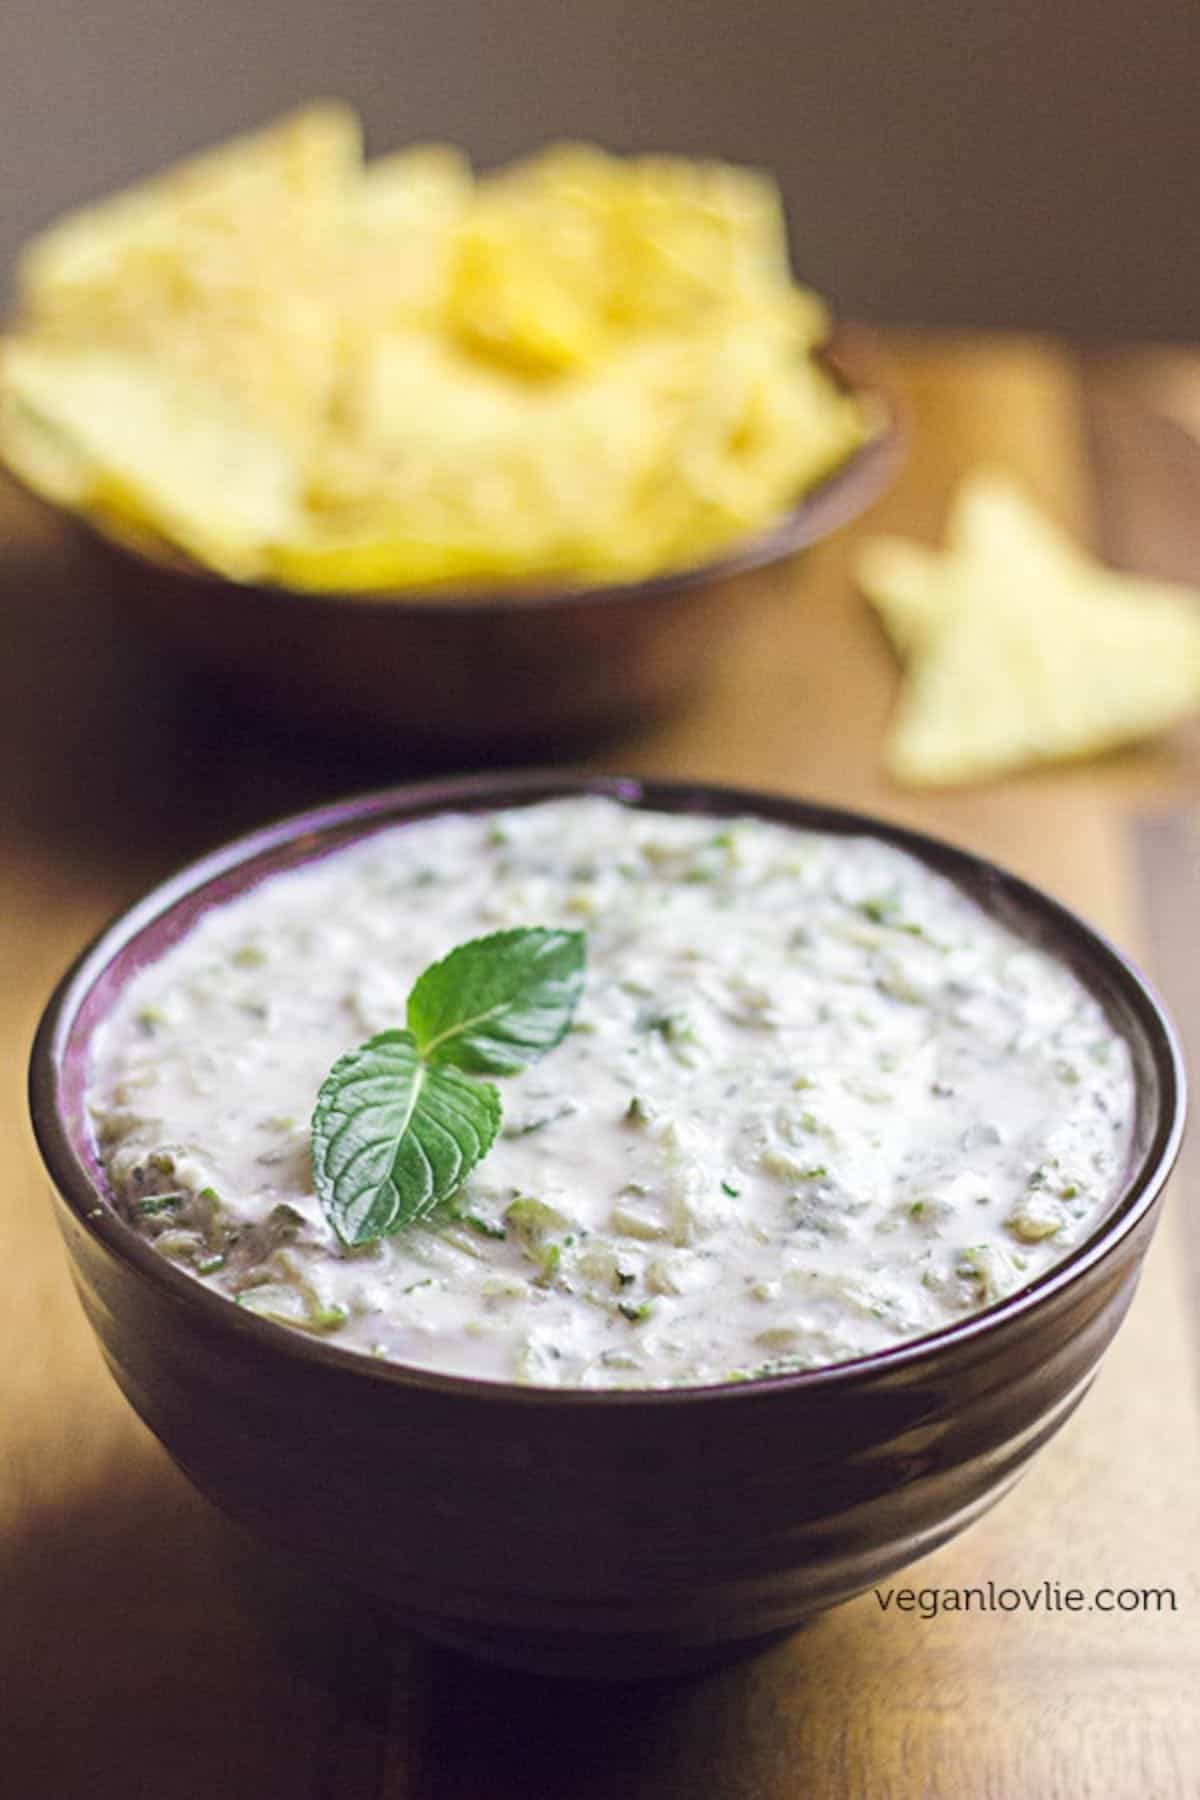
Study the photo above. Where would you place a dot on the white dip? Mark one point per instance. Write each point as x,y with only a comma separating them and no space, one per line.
814,1101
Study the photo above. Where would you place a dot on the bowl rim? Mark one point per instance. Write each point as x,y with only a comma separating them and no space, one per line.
306,836
851,354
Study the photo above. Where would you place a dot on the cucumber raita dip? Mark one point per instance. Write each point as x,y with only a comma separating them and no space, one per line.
813,1101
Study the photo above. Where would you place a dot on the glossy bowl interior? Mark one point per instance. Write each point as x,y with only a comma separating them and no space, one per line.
602,1532
528,672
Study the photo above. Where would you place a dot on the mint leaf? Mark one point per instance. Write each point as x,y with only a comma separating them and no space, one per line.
398,1127
498,1002
393,1135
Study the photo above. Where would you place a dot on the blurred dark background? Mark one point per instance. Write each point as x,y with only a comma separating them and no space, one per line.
1023,163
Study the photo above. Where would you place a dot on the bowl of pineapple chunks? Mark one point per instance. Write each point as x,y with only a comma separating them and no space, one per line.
466,461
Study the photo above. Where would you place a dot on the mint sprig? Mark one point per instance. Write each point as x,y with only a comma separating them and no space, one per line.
399,1124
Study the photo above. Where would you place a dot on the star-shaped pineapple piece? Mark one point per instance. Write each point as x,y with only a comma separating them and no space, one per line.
1019,648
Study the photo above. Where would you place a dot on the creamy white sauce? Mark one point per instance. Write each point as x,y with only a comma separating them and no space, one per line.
814,1102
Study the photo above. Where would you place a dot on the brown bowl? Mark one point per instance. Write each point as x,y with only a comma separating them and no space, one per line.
596,1532
520,672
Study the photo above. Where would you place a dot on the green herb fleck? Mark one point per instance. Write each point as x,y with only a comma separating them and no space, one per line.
672,1027
635,1311
488,1228
291,1306
551,1258
531,1220
886,909
538,1122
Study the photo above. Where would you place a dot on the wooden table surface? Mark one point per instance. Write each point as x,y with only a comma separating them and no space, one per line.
143,1654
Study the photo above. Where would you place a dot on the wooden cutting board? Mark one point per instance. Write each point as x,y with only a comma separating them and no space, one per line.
145,1652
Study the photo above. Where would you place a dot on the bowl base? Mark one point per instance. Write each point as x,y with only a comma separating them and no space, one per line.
566,1657
327,1626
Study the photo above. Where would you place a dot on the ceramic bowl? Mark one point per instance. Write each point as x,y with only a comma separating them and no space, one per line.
521,673
592,1533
